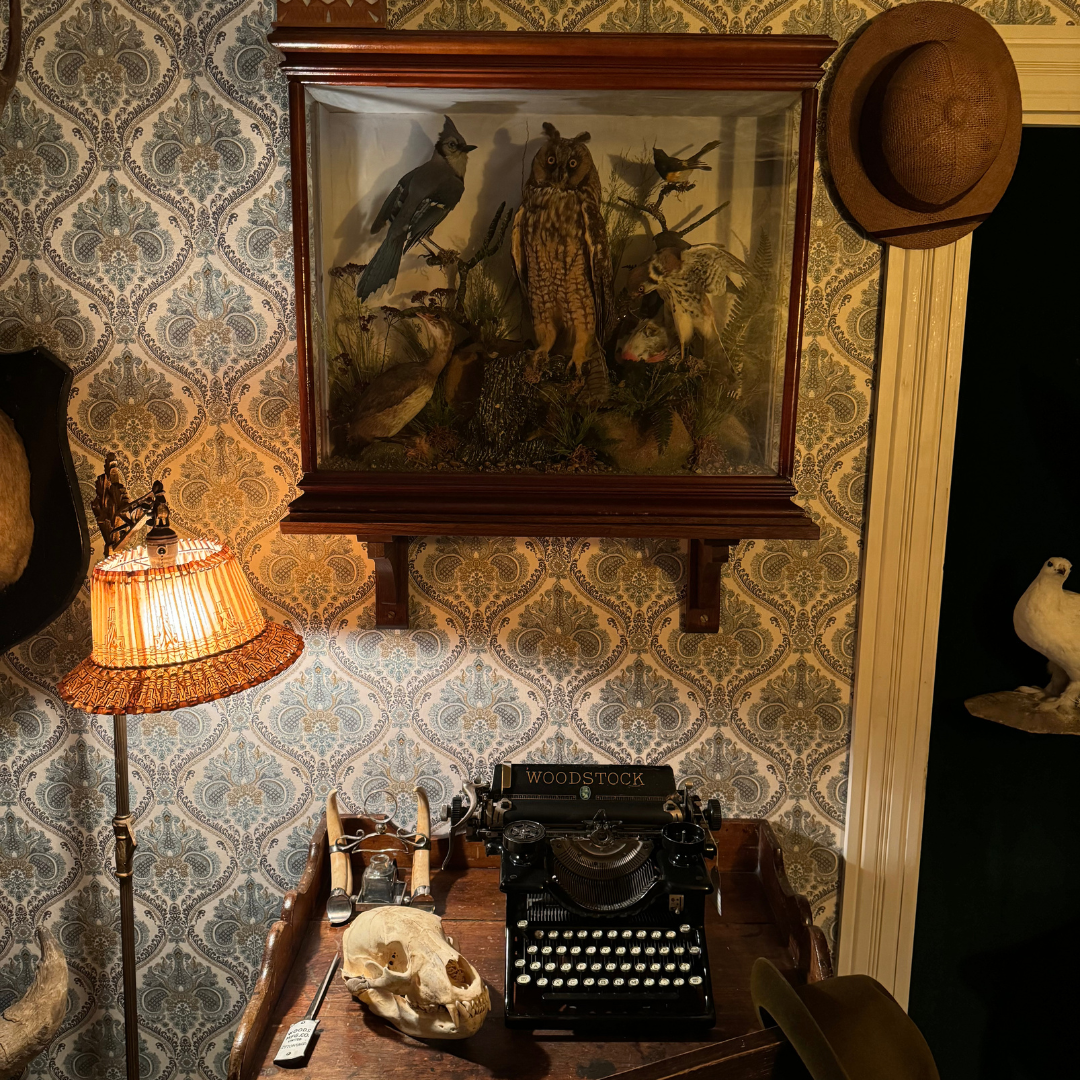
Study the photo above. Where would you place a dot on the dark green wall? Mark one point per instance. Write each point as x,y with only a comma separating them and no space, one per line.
998,920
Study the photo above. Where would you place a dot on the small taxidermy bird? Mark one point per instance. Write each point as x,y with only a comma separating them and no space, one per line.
675,170
399,393
1047,617
687,283
416,206
561,254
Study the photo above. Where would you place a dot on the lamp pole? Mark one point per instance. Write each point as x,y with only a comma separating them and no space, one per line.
125,860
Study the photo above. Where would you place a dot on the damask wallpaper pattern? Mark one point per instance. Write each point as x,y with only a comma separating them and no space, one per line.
146,239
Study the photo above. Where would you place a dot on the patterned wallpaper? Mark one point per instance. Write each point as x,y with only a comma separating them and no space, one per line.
146,239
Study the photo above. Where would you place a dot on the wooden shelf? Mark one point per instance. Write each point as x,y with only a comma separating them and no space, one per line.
762,916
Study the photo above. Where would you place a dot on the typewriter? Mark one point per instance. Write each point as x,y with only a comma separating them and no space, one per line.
604,870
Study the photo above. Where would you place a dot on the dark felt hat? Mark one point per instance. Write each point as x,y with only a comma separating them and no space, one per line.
923,124
846,1028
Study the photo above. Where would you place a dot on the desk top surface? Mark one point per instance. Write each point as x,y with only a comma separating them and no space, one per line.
353,1044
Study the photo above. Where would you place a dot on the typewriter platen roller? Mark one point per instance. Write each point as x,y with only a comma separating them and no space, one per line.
605,875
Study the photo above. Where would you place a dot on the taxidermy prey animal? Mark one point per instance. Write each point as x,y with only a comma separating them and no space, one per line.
420,201
673,170
398,394
560,249
1047,617
687,281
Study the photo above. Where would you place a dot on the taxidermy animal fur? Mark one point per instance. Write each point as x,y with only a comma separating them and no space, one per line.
28,1026
560,249
16,522
419,202
1047,617
399,393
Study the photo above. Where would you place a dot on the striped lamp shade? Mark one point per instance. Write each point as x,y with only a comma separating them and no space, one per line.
167,637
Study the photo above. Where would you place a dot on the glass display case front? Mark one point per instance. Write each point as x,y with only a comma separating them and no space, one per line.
550,281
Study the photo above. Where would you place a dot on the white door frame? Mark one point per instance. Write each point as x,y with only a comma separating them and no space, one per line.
918,379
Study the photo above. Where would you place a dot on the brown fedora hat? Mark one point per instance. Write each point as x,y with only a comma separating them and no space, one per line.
845,1028
923,124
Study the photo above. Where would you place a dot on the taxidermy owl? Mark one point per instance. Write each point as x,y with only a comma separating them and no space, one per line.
688,282
561,253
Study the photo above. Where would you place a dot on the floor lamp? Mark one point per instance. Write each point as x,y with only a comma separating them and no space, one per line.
174,624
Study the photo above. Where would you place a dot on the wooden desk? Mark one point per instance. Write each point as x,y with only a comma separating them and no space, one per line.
762,916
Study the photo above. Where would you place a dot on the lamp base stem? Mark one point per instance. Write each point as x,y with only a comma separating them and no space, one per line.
125,859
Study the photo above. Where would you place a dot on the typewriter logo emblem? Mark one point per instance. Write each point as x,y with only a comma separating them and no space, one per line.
585,791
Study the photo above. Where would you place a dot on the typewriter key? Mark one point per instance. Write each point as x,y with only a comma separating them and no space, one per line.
583,933
678,950
618,982
575,950
678,982
632,982
590,950
694,950
551,933
650,982
656,934
588,982
523,924
601,982
568,933
650,950
611,967
620,950
613,933
665,982
560,949
531,949
669,967
670,934
598,933
695,980
573,982
541,981
605,950
549,967
535,965
596,967
685,928
642,933
524,979
556,982
538,934
546,950
654,967
625,967
519,963
684,967
639,967
635,950
665,950
581,967
628,933
566,967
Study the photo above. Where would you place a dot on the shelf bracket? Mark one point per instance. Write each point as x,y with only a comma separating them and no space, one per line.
391,558
701,609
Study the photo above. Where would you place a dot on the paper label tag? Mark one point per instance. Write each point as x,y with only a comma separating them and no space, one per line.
295,1043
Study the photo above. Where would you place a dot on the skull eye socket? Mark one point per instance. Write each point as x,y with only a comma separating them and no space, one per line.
459,972
397,957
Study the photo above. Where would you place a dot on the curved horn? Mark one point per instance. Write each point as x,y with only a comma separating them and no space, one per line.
421,860
28,1026
10,71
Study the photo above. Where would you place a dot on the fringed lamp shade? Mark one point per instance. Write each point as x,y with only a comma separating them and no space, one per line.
168,637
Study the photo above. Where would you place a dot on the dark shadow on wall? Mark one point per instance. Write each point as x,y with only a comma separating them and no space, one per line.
994,984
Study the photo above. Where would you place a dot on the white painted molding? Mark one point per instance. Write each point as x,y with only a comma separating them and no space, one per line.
920,346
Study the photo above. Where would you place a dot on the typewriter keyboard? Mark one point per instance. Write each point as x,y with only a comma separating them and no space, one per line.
607,971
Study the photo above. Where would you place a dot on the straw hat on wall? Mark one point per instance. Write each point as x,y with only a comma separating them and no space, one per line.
924,120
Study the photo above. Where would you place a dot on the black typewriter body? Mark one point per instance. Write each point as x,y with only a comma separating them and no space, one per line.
606,881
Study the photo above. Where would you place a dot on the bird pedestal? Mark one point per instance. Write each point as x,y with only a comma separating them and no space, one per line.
361,14
1026,711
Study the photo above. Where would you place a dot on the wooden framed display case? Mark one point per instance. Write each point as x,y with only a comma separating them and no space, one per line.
592,330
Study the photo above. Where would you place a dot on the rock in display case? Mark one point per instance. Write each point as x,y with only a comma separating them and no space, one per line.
550,284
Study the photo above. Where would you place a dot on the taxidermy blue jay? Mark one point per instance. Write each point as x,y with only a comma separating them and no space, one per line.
420,201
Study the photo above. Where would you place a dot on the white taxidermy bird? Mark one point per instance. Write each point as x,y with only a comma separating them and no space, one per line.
1047,617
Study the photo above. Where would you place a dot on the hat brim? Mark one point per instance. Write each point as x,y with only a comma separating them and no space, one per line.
94,688
885,38
845,1028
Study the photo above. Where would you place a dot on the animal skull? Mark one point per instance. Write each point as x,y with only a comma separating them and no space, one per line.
400,963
